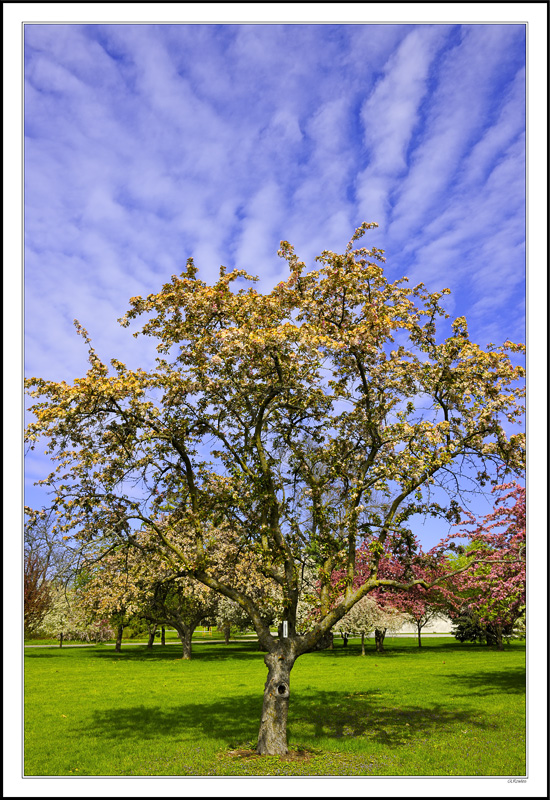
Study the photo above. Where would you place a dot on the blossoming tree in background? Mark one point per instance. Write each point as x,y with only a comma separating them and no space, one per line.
493,593
68,618
367,616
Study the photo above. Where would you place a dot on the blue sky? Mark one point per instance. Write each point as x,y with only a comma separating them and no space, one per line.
147,144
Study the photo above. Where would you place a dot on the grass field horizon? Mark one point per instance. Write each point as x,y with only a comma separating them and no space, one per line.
445,709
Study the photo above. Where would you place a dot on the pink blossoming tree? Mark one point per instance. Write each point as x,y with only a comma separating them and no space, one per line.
494,591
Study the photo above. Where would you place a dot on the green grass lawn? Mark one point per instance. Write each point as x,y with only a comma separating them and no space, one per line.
447,709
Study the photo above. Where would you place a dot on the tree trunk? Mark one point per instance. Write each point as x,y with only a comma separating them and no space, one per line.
379,635
272,735
419,628
162,635
61,640
118,645
498,636
185,634
227,632
362,644
345,637
151,638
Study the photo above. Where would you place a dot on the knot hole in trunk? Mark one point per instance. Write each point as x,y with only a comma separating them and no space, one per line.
282,689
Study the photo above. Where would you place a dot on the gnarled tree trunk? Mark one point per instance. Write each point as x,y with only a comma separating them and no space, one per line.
272,734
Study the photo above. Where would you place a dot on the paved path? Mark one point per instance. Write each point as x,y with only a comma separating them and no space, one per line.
138,644
208,640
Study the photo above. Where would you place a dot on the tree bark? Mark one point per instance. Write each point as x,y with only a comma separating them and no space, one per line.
498,636
61,640
362,644
419,628
345,637
379,635
272,735
151,638
162,635
226,632
185,633
118,645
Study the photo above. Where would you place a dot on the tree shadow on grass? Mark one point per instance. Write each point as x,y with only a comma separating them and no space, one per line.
233,719
330,714
173,652
336,714
41,655
216,651
511,681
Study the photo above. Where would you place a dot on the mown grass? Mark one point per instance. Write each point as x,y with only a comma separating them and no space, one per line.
446,709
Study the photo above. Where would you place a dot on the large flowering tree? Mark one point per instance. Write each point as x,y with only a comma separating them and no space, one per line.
279,416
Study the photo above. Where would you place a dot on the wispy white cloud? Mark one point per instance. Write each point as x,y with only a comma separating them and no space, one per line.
390,115
467,88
